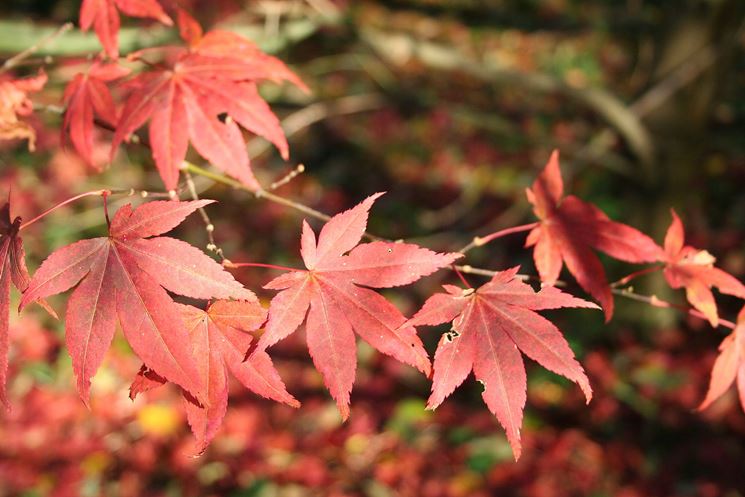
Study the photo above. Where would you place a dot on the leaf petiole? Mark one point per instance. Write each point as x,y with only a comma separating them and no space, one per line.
228,264
478,241
94,193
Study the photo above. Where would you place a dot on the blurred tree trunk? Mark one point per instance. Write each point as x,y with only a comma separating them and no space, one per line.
681,124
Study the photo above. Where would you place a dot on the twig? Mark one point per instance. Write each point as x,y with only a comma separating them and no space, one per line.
208,226
17,58
265,194
621,292
300,169
655,302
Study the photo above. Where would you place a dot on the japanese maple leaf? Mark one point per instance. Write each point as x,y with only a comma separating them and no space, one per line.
333,295
570,228
693,269
730,364
12,269
219,342
491,327
86,97
15,104
126,275
183,100
103,15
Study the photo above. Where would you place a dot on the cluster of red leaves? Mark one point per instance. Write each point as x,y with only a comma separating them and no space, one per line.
203,94
14,104
569,227
183,96
220,342
127,275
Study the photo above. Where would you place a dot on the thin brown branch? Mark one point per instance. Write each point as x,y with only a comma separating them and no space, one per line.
19,57
299,169
263,194
208,226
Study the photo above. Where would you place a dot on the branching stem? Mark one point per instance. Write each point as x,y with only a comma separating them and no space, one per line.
208,226
621,292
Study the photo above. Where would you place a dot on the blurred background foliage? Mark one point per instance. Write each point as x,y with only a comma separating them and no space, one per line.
452,106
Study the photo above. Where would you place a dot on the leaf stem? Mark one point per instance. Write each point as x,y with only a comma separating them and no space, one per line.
106,208
94,193
460,275
229,264
478,241
655,302
626,279
261,193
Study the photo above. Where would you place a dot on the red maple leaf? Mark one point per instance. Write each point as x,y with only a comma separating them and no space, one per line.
219,342
570,228
86,97
337,307
730,364
124,275
693,269
216,76
491,326
103,15
12,269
